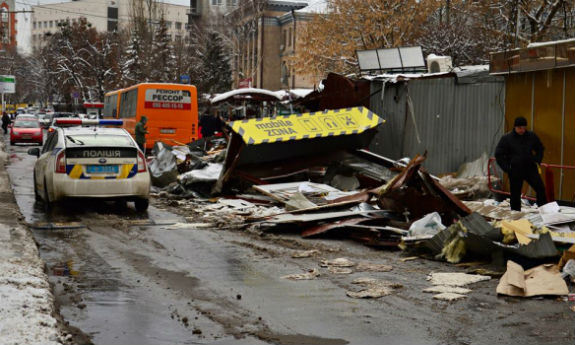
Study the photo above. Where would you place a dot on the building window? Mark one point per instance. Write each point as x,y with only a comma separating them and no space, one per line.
51,24
45,25
34,25
112,25
112,13
168,24
289,37
217,2
178,25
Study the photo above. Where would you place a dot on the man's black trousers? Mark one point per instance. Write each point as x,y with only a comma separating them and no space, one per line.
531,176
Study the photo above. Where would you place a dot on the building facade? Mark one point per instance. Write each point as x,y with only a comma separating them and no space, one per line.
265,38
209,13
103,15
7,25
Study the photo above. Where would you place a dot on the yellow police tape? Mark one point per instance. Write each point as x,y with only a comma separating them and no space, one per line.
306,126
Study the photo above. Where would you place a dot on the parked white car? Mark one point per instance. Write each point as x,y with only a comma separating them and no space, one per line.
91,162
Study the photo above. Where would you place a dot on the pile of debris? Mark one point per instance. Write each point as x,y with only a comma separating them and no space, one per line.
186,171
308,173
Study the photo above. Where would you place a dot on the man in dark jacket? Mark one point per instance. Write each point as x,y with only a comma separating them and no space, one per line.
519,153
140,133
5,122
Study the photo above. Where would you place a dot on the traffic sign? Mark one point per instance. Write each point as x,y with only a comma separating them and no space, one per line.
7,84
185,79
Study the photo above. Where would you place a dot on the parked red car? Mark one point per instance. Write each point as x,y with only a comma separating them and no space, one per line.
26,131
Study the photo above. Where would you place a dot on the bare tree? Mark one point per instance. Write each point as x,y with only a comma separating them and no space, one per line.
328,43
525,21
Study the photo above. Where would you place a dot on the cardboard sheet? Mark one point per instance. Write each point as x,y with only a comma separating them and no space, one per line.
538,281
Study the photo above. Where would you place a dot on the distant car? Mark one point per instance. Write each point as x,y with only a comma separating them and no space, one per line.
26,130
44,119
91,162
26,116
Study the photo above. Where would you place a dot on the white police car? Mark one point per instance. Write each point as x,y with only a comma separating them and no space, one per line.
91,162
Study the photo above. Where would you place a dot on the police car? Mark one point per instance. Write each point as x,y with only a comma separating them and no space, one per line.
88,161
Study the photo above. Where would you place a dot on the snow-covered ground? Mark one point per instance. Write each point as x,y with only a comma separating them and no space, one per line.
26,301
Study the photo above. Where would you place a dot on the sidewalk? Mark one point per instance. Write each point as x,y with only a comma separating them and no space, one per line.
26,301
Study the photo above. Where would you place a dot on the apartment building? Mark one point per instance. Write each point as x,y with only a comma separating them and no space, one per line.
7,25
103,15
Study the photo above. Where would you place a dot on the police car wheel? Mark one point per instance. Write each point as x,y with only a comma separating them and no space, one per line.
141,204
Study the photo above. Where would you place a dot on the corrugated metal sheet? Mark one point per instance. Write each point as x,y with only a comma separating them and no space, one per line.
456,122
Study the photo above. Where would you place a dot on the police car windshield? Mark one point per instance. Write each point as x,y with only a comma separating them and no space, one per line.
98,140
26,124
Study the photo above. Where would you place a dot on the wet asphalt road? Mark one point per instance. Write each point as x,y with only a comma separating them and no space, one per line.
110,274
127,278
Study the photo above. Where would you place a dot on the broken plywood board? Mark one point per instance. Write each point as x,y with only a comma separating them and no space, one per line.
455,279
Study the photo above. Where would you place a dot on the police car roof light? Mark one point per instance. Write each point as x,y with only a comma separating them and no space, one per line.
110,122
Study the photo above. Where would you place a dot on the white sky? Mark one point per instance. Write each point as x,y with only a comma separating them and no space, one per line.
23,25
